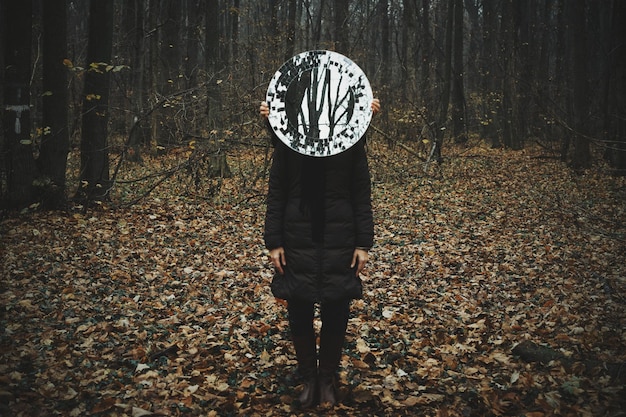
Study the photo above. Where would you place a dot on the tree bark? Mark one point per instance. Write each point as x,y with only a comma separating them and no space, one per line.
447,81
385,35
616,102
20,163
139,134
581,157
56,141
458,95
291,30
426,62
234,32
213,65
488,70
408,28
507,80
562,72
94,167
525,62
342,8
169,70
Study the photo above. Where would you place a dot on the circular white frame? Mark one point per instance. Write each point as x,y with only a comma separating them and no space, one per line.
320,103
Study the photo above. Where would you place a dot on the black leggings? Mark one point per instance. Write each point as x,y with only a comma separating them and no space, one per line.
334,316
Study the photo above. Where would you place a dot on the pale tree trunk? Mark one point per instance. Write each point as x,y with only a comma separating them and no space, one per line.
55,141
94,167
20,164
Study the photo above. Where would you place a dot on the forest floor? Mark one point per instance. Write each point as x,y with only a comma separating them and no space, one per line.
497,287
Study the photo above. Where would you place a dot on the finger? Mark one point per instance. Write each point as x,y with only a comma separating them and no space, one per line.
361,268
362,261
277,264
280,261
264,109
375,105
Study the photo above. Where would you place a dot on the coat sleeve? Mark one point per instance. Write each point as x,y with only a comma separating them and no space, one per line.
276,200
362,198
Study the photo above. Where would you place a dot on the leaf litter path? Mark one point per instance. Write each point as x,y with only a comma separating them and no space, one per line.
164,308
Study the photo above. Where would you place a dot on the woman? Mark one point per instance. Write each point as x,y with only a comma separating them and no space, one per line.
318,230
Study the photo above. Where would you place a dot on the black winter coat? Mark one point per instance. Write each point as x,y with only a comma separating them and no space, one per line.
319,229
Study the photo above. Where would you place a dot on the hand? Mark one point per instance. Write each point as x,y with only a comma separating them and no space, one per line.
264,110
375,106
359,258
277,256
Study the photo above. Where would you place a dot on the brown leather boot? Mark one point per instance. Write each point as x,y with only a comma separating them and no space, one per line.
330,355
307,367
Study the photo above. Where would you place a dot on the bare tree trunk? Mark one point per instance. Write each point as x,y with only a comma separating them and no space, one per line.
616,107
291,30
213,65
20,163
94,167
385,35
545,73
525,62
426,43
458,95
193,43
56,141
581,157
507,80
384,80
342,8
408,27
488,70
447,75
154,10
169,70
562,73
234,35
317,28
140,135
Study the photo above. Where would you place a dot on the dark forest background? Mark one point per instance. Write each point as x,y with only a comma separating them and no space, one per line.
110,81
